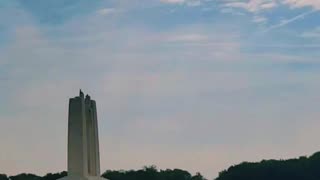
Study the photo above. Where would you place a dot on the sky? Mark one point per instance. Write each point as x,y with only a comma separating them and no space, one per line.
193,84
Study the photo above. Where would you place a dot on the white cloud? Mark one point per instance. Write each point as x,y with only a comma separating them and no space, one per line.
187,38
252,5
260,5
259,19
231,11
289,21
303,3
194,3
190,3
315,33
173,1
106,11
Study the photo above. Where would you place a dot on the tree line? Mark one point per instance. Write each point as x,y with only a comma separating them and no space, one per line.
146,173
302,168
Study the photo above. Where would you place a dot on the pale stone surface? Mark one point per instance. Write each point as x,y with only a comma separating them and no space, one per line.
83,140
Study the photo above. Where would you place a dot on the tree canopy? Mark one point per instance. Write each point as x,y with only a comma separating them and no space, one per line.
146,173
302,168
151,173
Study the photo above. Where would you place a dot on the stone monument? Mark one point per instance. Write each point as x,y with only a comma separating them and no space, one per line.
83,140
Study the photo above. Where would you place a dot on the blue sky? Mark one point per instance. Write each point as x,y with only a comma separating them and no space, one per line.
192,84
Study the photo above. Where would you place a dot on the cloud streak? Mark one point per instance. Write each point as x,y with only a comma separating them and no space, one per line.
303,3
289,21
252,5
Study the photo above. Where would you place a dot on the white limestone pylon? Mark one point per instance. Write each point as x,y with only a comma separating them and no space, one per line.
83,140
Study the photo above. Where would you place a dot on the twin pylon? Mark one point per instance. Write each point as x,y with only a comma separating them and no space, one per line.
83,140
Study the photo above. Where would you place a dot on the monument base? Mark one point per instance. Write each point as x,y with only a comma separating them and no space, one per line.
82,178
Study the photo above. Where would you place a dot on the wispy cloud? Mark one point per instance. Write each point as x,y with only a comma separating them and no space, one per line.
107,11
252,5
173,1
289,21
187,38
303,3
259,19
194,3
261,5
191,3
315,33
231,11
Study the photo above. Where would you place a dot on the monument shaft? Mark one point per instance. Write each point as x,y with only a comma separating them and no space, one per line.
83,140
92,137
77,138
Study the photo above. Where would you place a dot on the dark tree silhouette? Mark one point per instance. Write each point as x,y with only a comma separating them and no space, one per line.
3,177
302,168
25,176
151,173
198,176
54,176
176,174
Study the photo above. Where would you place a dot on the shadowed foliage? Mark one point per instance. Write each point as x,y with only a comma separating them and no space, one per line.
3,177
302,168
151,173
24,176
146,173
54,176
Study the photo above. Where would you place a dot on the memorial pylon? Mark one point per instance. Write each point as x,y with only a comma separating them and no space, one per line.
83,140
